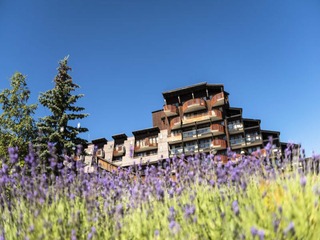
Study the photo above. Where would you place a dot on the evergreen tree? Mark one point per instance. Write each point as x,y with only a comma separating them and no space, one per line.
57,128
17,126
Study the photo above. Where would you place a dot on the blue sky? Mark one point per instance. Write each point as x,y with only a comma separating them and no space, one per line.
124,54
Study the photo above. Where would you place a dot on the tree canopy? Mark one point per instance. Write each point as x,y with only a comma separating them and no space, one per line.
17,125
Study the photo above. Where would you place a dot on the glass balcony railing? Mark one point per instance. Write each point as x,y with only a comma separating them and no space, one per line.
176,151
192,148
189,134
235,127
234,142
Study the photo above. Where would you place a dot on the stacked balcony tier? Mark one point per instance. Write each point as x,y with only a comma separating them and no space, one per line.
217,100
118,151
194,105
170,110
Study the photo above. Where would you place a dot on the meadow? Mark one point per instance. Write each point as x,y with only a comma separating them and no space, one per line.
257,197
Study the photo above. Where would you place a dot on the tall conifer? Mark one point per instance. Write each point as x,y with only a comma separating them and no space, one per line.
61,127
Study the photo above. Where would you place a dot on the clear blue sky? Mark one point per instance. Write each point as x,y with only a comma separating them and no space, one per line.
124,54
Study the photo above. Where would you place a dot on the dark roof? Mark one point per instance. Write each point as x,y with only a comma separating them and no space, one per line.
99,140
160,110
251,120
120,136
146,131
195,87
269,131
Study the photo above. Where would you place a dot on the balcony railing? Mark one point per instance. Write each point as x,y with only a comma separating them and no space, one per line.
217,129
175,123
237,143
214,115
219,144
147,146
107,166
189,134
173,138
118,151
176,151
217,100
254,140
221,158
194,105
235,128
170,110
191,149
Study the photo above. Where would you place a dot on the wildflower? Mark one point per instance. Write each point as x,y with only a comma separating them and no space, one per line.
303,181
235,207
156,232
174,226
254,231
211,182
289,229
261,234
276,224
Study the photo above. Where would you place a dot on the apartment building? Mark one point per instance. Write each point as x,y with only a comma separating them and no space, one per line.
193,119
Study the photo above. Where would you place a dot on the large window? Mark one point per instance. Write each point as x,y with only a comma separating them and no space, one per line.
253,137
189,134
190,146
236,140
236,125
176,149
205,130
205,143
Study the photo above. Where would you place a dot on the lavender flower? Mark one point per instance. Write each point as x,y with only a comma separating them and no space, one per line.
235,207
303,181
289,229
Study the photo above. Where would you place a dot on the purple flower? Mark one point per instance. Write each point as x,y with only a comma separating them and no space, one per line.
156,232
254,231
289,229
189,210
13,154
261,234
303,181
174,226
235,207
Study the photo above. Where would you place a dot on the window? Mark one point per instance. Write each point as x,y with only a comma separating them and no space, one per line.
236,125
205,143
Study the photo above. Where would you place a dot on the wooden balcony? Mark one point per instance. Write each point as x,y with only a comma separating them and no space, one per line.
221,158
217,100
147,146
170,110
194,105
107,166
217,129
216,115
175,123
118,151
218,144
213,115
175,138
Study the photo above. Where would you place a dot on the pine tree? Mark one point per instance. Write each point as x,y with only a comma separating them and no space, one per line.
17,126
57,128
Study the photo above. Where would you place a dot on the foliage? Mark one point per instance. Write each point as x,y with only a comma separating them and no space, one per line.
56,128
204,200
17,126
